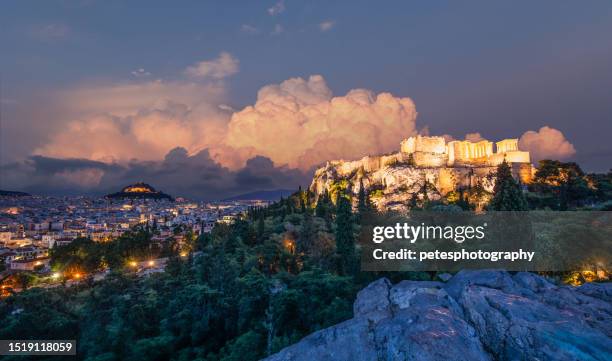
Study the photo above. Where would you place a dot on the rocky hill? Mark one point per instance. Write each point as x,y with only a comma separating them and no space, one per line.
424,165
475,315
139,190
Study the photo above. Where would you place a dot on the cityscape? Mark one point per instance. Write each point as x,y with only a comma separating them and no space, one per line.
31,226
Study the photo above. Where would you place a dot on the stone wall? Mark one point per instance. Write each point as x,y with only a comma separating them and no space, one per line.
423,144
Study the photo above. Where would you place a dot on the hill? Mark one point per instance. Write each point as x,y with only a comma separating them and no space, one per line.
139,190
14,194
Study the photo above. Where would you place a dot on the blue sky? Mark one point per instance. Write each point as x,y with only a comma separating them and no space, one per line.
497,68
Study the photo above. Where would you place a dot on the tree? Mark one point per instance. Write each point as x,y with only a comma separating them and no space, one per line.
363,203
322,207
507,195
306,235
345,242
564,183
24,279
261,227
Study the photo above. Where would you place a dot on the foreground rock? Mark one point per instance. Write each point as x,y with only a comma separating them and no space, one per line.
476,315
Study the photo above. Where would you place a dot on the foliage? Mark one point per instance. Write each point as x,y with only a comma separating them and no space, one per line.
562,186
243,295
507,195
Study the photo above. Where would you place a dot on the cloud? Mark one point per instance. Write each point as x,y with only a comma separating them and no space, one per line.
326,25
140,73
195,176
142,120
547,143
50,32
299,123
474,137
277,8
223,66
246,28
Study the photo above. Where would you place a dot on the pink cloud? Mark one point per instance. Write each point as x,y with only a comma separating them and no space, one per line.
547,143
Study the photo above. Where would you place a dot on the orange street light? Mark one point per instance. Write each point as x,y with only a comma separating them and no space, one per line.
151,263
133,264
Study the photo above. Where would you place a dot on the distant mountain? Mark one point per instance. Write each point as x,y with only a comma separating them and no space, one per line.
272,195
139,190
14,194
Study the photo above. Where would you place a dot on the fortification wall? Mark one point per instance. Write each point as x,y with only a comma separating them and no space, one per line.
423,144
430,160
515,156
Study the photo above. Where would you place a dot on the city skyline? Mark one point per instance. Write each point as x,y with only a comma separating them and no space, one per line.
212,100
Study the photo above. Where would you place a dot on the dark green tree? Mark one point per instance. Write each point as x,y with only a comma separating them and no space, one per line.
345,241
507,195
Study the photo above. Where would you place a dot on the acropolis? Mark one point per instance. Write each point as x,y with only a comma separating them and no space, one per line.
448,165
435,151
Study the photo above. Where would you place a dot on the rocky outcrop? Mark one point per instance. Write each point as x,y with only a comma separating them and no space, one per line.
475,315
392,185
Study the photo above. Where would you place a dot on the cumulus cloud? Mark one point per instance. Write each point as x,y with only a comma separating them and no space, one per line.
141,120
223,66
473,137
547,143
326,25
171,132
300,123
277,8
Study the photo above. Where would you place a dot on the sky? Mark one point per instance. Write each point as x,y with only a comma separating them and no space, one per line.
216,98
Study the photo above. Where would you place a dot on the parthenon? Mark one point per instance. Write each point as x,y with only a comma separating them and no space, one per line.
435,151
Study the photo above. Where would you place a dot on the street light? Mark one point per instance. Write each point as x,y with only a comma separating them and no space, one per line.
151,263
56,275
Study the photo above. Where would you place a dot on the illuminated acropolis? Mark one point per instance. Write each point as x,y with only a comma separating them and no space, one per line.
447,165
435,151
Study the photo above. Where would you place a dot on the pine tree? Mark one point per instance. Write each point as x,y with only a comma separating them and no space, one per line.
322,206
306,235
345,242
507,195
260,227
364,206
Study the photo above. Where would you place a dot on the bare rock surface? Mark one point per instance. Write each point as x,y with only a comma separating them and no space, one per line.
476,315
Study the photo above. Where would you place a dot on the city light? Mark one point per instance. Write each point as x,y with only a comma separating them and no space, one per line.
77,275
151,263
183,254
133,264
56,275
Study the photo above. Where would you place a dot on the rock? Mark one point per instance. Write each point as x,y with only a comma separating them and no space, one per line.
373,301
476,315
489,278
603,291
445,277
